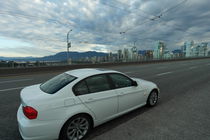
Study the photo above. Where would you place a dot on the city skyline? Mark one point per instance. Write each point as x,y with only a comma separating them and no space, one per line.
132,53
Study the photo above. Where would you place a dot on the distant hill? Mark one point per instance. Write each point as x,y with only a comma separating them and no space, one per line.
73,55
57,57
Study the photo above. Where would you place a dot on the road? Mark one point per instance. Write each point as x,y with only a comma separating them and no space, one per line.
182,113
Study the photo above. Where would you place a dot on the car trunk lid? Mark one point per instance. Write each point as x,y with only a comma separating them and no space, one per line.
30,95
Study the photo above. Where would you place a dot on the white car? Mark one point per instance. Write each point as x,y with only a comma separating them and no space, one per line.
67,106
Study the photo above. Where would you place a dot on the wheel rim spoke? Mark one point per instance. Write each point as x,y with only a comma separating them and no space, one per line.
83,128
80,132
73,135
71,132
77,135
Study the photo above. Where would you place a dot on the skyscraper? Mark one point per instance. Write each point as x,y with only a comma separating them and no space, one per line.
119,55
190,49
159,50
134,53
202,50
125,54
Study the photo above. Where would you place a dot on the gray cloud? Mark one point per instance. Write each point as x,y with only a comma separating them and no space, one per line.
99,23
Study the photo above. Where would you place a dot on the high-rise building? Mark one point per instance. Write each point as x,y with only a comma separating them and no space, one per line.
190,49
177,53
126,54
134,53
119,55
159,50
149,54
183,50
110,57
202,49
167,54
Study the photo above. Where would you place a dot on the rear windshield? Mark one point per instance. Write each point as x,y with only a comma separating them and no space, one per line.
56,83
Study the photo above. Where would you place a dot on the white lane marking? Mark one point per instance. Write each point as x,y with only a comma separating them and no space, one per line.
194,67
10,81
8,89
160,74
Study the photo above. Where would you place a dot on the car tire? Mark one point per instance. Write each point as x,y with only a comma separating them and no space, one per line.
152,98
77,127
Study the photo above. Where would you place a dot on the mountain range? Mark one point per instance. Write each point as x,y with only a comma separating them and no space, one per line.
61,56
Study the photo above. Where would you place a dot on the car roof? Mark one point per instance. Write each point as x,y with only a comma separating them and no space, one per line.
81,73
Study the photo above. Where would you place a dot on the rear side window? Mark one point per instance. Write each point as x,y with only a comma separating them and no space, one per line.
98,83
120,80
56,83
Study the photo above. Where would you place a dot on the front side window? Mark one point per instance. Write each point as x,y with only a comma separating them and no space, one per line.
120,81
98,83
56,83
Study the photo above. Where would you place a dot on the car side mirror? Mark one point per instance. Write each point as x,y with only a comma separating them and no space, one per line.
134,83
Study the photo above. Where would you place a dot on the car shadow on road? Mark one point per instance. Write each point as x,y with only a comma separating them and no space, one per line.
99,130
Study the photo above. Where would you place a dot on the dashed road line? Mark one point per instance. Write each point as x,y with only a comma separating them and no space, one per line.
8,89
160,74
194,67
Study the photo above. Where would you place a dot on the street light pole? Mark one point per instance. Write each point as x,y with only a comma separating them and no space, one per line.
134,43
68,44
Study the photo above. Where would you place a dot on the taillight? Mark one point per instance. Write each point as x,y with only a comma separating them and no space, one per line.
30,112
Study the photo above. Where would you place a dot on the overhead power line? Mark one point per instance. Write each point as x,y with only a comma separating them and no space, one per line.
173,7
158,16
148,19
39,39
143,11
22,15
49,20
121,8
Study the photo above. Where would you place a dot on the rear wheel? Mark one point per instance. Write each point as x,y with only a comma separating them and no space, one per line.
76,128
153,98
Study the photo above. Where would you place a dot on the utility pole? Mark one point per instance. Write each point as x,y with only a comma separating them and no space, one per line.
68,45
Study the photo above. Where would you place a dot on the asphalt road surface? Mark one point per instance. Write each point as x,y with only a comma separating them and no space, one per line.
183,111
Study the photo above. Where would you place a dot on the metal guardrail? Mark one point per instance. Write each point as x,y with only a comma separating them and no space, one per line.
29,70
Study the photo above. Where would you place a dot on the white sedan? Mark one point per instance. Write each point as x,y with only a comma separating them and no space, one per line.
69,105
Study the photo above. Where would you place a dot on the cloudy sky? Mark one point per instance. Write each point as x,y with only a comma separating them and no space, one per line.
39,27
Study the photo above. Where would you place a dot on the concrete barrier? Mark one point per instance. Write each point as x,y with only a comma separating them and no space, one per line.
30,70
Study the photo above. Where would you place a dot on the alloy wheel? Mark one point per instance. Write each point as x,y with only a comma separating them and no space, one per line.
153,98
77,128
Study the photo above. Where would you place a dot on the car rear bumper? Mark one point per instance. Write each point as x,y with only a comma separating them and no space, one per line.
36,129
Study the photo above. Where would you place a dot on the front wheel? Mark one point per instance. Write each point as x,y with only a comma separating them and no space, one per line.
153,98
76,128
